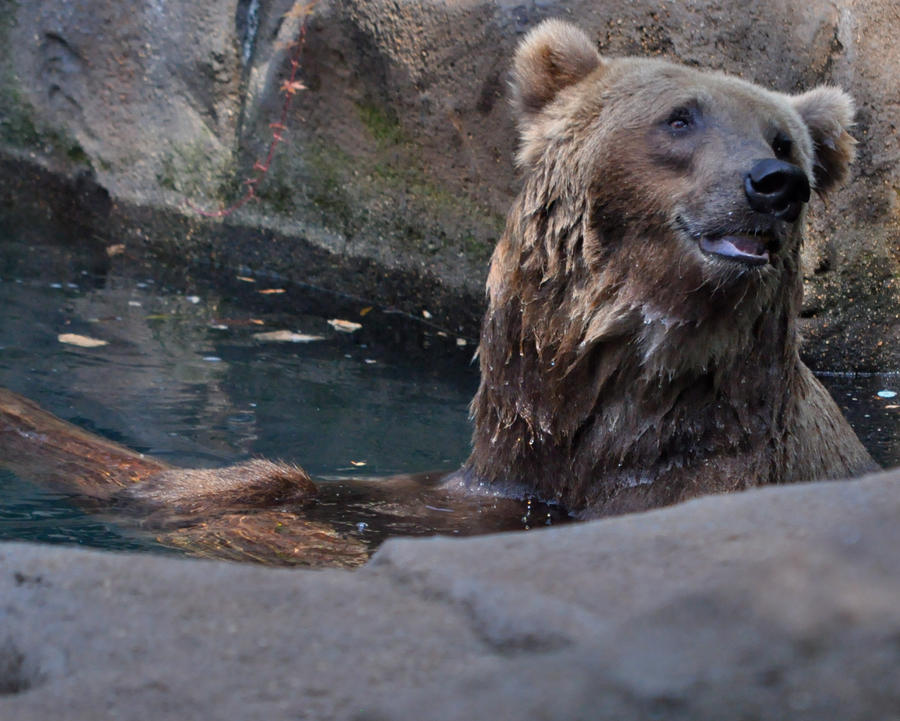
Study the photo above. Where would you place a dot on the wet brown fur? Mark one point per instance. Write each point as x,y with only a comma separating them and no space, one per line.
621,367
255,483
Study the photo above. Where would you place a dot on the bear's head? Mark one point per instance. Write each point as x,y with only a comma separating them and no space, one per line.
646,289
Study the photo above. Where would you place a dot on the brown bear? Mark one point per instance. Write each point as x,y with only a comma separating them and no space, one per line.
640,345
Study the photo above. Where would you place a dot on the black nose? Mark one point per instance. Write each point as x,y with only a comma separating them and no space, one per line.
776,187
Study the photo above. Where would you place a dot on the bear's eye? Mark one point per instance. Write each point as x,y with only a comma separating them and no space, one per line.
782,146
680,120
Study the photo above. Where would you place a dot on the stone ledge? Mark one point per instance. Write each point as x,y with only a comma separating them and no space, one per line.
769,603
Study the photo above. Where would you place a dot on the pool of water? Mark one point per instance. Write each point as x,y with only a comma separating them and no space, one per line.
185,375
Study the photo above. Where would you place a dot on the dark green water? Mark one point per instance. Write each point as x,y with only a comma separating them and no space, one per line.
185,377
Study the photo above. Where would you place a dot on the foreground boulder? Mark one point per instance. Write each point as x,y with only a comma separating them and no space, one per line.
767,604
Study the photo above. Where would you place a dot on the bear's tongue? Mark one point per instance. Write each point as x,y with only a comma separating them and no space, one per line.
745,248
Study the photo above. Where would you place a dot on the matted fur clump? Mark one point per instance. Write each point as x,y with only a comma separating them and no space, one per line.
640,346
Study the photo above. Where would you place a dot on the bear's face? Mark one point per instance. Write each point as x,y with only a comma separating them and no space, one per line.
685,173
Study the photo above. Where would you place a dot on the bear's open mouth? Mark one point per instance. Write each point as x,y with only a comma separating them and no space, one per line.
749,249
750,245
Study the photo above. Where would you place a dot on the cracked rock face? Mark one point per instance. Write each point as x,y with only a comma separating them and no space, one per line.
767,604
400,150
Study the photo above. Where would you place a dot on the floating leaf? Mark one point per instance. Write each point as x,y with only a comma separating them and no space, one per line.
82,341
286,336
344,326
272,291
365,311
246,279
257,321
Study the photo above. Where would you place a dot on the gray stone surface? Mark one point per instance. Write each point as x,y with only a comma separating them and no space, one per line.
770,604
399,154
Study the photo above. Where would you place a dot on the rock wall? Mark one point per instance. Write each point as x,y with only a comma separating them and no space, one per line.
399,153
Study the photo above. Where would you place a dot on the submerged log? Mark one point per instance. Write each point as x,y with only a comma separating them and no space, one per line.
243,512
262,511
36,445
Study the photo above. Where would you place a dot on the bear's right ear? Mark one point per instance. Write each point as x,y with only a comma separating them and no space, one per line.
828,113
552,56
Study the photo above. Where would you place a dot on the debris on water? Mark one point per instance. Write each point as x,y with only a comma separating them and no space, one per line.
286,336
272,291
365,311
116,249
886,394
461,342
82,341
370,361
426,315
245,279
357,464
134,303
192,299
344,326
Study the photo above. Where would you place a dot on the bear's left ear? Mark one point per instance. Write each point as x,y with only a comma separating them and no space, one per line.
828,114
552,56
